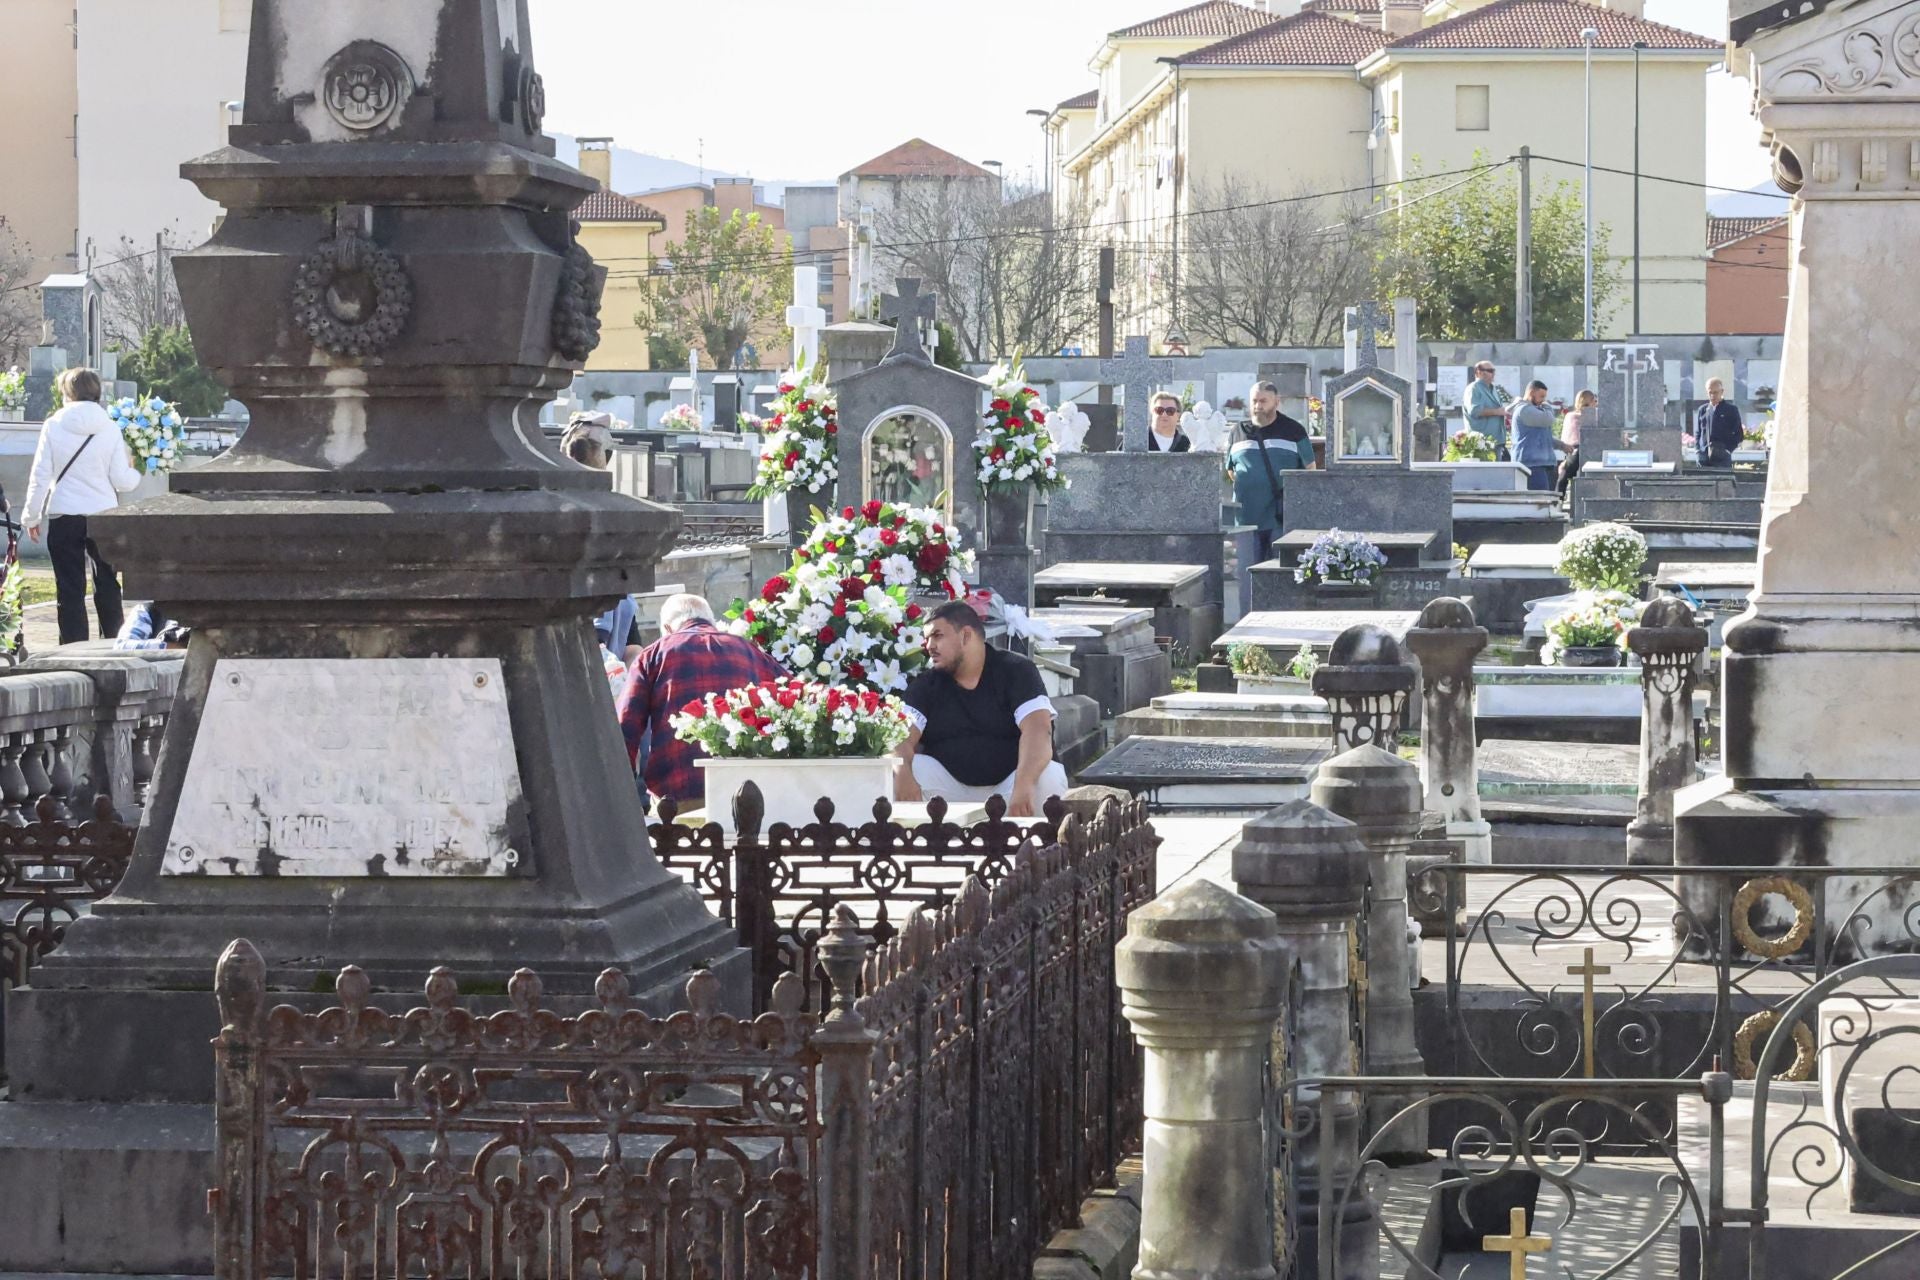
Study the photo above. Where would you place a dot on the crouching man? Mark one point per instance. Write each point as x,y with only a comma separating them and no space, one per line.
983,724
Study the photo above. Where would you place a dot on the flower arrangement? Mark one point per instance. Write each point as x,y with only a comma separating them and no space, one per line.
1304,663
748,422
1600,621
1316,416
891,545
793,719
1337,556
13,389
1248,659
152,431
848,629
1468,445
1014,450
1757,435
1602,557
801,448
682,417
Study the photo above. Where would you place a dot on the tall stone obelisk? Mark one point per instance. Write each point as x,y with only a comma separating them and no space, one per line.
1822,694
392,745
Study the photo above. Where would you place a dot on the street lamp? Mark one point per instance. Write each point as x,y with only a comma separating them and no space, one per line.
1638,45
1587,38
1046,151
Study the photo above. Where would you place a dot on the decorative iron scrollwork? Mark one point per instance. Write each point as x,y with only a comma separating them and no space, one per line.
353,298
576,311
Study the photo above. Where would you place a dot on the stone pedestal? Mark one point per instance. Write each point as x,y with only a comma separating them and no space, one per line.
1309,868
1446,642
1200,975
1822,673
1366,683
1380,794
1006,557
1669,645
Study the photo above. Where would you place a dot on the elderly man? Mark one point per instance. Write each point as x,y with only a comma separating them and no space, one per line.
1717,428
983,724
1486,411
693,658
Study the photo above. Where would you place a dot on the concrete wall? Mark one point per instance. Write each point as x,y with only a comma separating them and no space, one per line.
1537,100
136,128
39,97
1747,285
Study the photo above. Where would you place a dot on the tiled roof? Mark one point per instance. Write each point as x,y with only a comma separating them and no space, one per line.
1210,19
1081,102
1725,231
1341,6
610,206
1303,40
1548,24
917,158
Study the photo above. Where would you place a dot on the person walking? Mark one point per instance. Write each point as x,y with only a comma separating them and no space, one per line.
1166,436
80,469
1486,411
1717,428
1266,445
1570,437
1533,442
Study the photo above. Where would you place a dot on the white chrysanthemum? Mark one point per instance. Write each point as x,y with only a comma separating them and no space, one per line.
897,571
802,655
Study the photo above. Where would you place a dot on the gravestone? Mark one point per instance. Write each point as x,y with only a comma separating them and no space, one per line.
726,401
72,305
1103,428
1177,594
45,364
412,242
1294,379
1633,404
1120,665
1140,375
1210,773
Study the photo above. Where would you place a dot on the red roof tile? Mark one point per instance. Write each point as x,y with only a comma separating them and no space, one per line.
1341,6
610,206
1725,231
1081,102
1548,24
1210,19
1303,40
917,158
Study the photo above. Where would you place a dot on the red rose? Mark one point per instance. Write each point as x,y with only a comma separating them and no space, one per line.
786,388
913,613
790,460
1001,406
779,418
997,454
1028,391
805,406
871,511
840,608
787,699
1037,416
888,538
826,635
830,545
876,568
1015,424
898,521
932,557
856,671
697,709
939,529
869,701
831,429
846,513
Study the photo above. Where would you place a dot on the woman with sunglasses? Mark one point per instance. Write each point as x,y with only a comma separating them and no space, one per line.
1166,436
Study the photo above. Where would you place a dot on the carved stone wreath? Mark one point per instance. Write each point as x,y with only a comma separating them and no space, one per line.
1757,1028
576,311
352,298
1796,935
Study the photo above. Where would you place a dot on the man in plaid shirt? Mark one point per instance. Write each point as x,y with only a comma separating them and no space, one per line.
692,659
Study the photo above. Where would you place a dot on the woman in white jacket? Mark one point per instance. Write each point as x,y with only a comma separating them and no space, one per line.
81,469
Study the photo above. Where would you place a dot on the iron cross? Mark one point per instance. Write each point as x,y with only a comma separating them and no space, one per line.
1587,971
1136,371
907,309
1366,321
1517,1244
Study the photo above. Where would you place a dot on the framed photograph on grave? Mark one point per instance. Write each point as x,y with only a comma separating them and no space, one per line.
1366,424
906,456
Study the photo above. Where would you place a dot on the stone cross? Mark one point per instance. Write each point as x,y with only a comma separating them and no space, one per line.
806,317
1136,371
1587,971
1364,322
1517,1244
907,309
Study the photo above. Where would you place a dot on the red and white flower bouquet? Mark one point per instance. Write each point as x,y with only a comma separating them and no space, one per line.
801,449
1014,450
793,719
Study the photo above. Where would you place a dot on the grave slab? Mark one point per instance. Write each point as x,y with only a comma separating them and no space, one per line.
1177,594
1198,773
1282,632
1227,715
1141,508
1121,667
1514,560
1479,477
1274,588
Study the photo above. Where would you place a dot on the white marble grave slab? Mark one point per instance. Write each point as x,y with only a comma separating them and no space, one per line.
1101,619
1099,574
1481,477
351,767
1709,574
1514,560
1292,628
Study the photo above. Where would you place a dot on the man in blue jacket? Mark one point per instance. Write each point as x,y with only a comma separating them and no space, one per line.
1717,428
1263,449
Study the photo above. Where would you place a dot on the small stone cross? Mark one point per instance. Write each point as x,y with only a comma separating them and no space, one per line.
1517,1243
1136,371
1587,971
1365,322
907,309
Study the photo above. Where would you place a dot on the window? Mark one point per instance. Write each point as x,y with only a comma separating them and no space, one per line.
1470,108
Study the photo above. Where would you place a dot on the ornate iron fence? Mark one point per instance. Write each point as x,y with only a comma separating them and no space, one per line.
49,870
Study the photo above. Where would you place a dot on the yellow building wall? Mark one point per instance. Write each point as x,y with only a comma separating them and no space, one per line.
1539,103
622,248
1290,133
39,96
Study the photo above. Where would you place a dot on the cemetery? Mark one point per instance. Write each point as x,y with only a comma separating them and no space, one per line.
1459,882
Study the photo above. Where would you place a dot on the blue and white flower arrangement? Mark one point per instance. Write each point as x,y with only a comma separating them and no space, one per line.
153,429
1337,556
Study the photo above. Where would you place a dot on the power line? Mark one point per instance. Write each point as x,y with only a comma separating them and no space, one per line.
1678,182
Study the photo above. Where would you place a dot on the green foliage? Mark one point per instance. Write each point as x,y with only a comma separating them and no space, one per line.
726,279
1452,248
1304,663
664,351
946,351
164,365
1251,660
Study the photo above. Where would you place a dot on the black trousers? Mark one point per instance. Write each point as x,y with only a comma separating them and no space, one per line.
69,547
1716,457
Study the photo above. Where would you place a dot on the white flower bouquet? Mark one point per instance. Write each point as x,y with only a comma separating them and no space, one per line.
1602,557
890,545
682,417
153,432
821,621
801,446
1599,620
1337,556
794,720
1468,445
1014,450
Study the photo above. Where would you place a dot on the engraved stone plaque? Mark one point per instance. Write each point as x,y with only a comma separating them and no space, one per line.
351,767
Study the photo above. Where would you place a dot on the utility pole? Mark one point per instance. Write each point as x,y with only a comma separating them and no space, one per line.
1105,300
1638,45
159,275
1587,38
1523,254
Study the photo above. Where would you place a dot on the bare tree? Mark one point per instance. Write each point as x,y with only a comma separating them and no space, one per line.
19,300
1262,271
1011,273
138,290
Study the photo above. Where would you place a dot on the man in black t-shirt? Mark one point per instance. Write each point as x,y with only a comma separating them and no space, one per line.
983,724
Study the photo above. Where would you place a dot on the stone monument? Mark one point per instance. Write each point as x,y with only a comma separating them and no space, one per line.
1822,672
1633,405
392,745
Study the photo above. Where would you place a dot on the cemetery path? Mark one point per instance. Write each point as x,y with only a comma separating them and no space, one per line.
1197,845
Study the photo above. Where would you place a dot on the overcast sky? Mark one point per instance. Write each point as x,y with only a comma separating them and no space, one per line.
779,90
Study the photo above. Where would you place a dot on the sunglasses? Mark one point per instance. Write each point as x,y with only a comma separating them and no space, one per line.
1165,411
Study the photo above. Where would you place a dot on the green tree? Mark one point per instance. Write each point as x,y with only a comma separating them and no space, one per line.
164,365
946,352
726,279
664,351
1451,245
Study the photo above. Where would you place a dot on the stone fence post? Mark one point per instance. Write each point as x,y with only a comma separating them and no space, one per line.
1446,640
1200,974
1669,644
1309,867
846,1046
1380,793
1366,682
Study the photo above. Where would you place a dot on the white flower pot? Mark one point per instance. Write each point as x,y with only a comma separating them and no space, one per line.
1273,686
791,788
9,414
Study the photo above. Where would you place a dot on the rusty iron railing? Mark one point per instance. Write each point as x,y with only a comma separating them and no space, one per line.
50,869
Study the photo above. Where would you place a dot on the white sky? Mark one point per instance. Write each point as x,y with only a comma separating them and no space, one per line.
779,90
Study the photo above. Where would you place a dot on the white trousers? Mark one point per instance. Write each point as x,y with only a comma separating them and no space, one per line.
934,781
